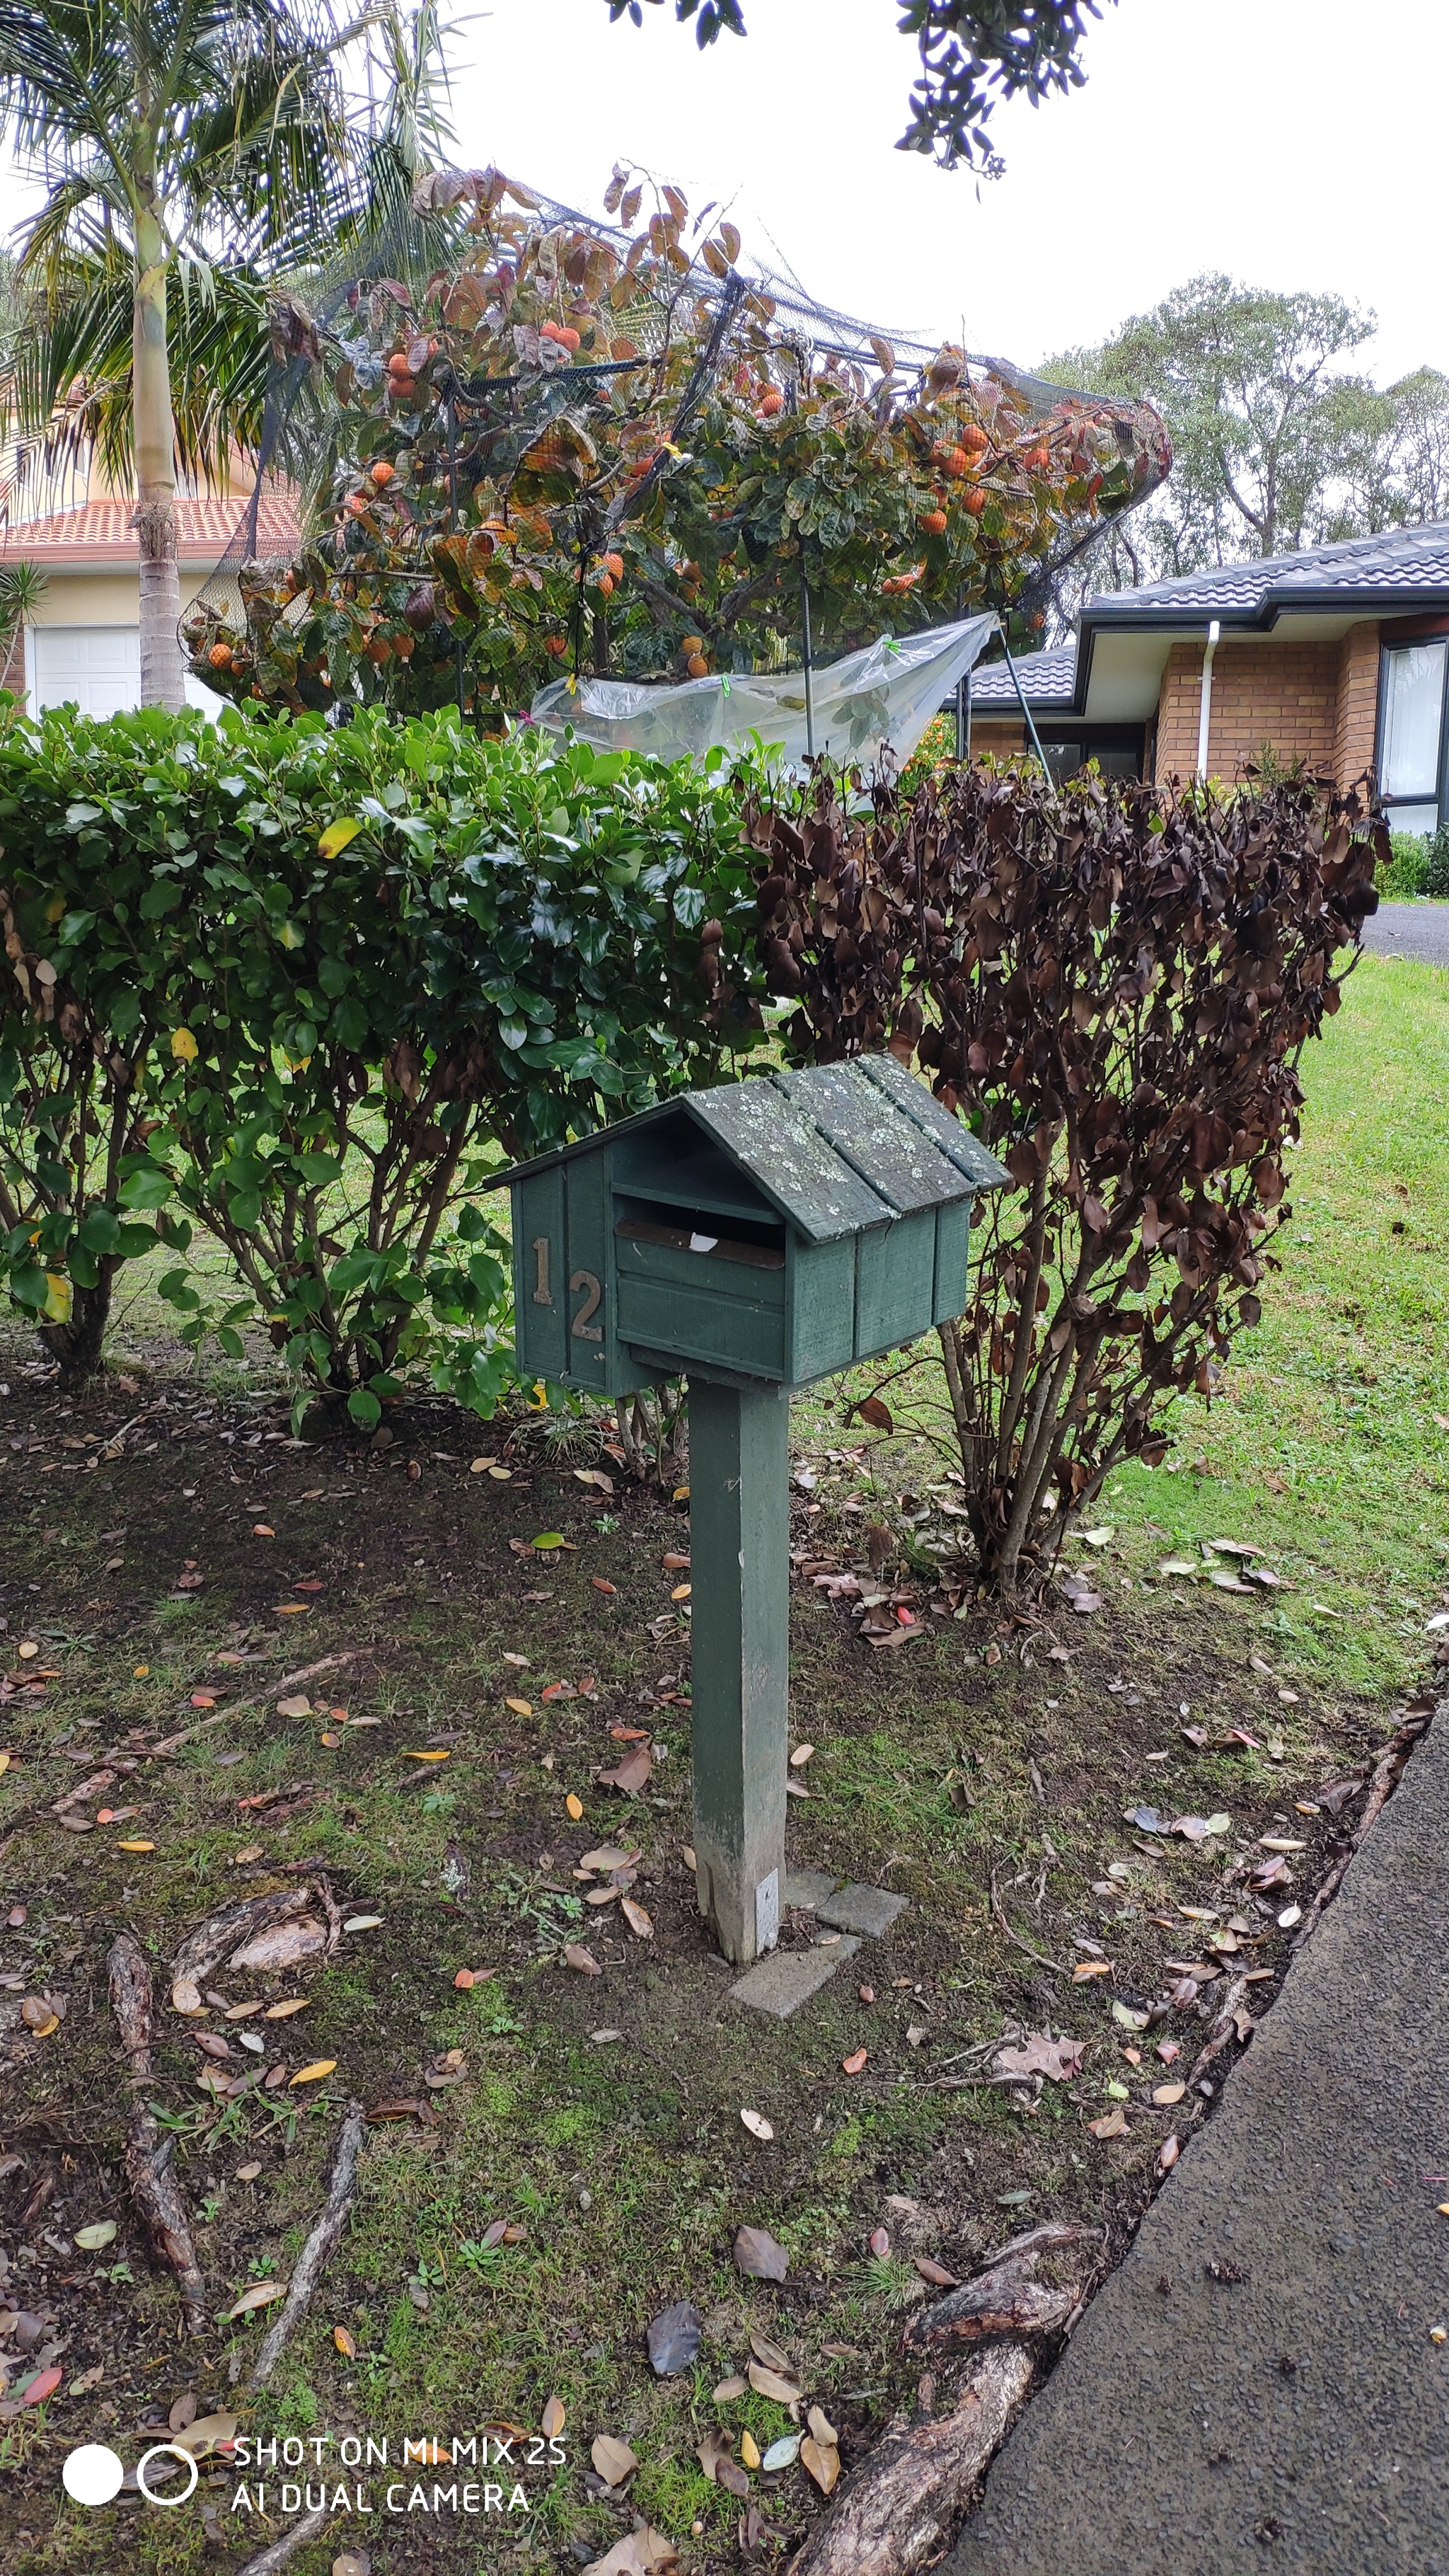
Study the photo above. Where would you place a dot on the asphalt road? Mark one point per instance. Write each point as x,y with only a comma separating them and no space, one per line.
1410,930
1297,2420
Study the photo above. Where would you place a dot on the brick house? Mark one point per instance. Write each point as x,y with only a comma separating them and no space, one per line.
1338,657
83,645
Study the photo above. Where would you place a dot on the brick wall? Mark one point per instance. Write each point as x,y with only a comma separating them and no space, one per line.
989,733
1358,702
1313,702
1263,691
13,675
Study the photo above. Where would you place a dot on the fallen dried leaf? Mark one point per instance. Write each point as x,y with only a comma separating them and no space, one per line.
345,2343
1061,2059
262,2294
674,2339
552,2420
613,2460
852,2064
773,2384
822,2460
759,2256
632,1774
578,1957
314,2073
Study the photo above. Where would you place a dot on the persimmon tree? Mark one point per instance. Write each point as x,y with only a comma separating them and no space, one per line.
577,450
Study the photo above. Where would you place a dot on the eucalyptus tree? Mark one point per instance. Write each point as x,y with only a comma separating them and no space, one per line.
187,149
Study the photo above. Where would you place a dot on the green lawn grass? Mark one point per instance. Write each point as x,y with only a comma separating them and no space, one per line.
1329,1444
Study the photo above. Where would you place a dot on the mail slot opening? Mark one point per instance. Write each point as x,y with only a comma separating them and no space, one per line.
705,1232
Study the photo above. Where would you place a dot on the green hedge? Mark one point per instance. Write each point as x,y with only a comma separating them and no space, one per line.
304,987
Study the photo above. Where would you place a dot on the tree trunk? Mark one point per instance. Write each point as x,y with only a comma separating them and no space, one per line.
78,1342
161,669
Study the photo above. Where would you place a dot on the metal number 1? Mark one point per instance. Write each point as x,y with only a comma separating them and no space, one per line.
542,1295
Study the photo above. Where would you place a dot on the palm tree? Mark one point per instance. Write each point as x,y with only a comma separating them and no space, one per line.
189,149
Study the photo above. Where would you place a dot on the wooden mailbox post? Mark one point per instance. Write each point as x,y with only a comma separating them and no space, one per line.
755,1237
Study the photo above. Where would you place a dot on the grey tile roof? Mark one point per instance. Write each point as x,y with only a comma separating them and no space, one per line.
1406,569
1406,560
1045,677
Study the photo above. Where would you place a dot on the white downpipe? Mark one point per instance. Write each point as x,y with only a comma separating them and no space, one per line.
1205,704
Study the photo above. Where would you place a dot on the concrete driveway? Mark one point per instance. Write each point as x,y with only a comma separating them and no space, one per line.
1410,930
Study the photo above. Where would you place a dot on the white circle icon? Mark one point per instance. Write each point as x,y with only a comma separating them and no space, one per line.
167,2451
92,2474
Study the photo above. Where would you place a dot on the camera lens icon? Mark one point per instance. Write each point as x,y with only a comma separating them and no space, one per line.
167,2451
92,2474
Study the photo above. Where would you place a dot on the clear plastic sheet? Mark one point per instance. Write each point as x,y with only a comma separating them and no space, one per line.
884,695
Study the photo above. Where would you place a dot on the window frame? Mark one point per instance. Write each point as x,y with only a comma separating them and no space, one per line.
1407,644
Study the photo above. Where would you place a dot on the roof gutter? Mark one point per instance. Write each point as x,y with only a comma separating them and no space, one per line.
1205,703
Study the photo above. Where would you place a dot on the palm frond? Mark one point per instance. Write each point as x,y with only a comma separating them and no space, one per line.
67,390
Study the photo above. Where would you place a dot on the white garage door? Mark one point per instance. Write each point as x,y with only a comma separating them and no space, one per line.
96,668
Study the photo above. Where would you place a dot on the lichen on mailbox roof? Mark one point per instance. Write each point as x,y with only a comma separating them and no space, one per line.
835,1148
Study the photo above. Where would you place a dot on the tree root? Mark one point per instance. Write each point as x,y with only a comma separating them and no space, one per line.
1004,2299
277,2553
226,1930
153,2187
901,2506
1387,1773
321,2245
1015,1938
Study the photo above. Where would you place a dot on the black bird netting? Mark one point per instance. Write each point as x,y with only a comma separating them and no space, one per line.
507,445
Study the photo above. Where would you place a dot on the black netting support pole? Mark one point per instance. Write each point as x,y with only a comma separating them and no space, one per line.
963,716
458,677
1026,711
809,659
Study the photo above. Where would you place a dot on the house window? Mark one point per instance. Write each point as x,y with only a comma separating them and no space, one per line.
1412,735
1114,758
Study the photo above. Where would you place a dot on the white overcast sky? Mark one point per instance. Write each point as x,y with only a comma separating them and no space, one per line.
1294,143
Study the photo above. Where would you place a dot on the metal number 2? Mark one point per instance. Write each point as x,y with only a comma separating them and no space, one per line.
584,1331
542,1295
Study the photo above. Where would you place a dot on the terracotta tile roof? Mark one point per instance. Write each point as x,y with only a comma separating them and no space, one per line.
100,532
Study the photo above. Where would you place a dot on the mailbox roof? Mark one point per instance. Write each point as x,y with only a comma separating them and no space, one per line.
835,1149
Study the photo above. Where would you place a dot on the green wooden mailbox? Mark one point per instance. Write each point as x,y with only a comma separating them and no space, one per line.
754,1237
